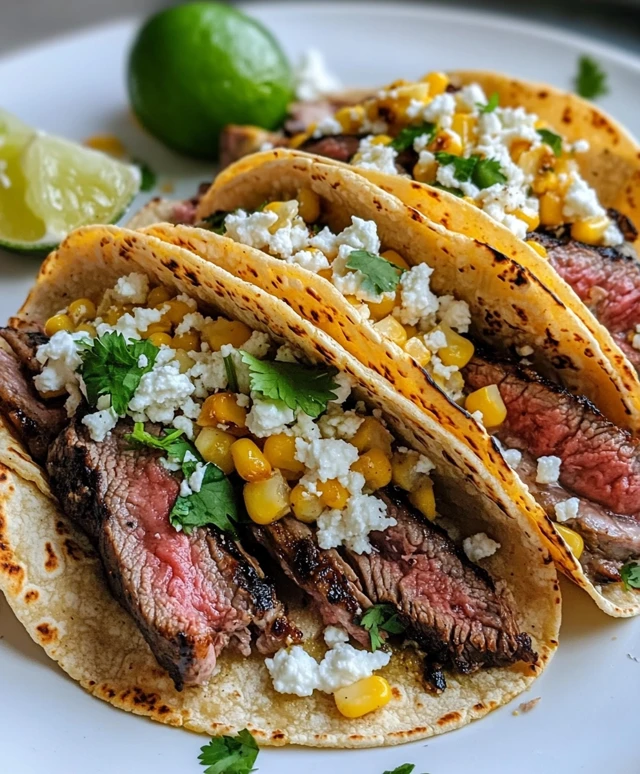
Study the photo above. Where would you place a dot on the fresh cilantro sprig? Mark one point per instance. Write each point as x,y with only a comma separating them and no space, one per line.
404,768
591,80
110,367
173,442
483,173
232,376
407,136
379,617
630,574
380,275
487,173
490,105
462,167
448,189
214,504
215,222
553,140
301,388
230,754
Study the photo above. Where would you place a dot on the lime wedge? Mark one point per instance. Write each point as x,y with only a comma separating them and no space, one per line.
49,186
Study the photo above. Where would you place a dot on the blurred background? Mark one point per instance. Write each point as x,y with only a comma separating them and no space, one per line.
25,21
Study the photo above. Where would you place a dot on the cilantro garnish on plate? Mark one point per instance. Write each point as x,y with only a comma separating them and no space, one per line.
553,140
230,754
491,105
380,275
379,617
301,388
407,136
483,173
214,504
630,574
110,366
591,80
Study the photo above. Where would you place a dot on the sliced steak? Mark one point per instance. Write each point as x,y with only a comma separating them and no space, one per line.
24,340
323,575
184,212
340,147
237,141
453,609
191,595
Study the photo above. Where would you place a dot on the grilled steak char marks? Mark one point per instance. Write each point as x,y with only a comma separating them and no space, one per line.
600,462
190,595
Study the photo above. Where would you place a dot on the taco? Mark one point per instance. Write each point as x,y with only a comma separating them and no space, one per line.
469,335
203,498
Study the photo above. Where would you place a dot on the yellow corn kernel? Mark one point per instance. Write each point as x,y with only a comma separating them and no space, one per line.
425,172
189,341
458,351
157,327
572,539
280,450
423,499
215,446
448,142
250,462
106,143
298,139
390,328
273,207
545,182
537,160
464,125
333,494
393,257
308,205
87,327
375,466
488,401
437,81
382,308
350,118
551,210
176,311
365,696
541,124
160,339
417,350
81,309
566,166
591,230
222,331
403,469
518,148
372,434
306,506
532,220
267,501
158,296
381,139
59,322
112,315
184,360
326,274
542,251
222,409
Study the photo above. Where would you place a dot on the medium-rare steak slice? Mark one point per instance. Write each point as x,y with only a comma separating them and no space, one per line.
452,608
24,341
191,595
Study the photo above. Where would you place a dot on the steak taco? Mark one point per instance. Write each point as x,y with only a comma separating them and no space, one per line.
469,335
213,515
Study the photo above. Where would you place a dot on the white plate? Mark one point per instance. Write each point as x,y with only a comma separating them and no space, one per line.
587,718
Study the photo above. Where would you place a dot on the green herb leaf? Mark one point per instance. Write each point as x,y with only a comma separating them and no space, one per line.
491,105
214,504
379,617
407,136
630,574
214,222
405,768
591,80
172,442
149,177
462,167
110,367
487,173
230,754
482,172
553,140
299,387
232,376
448,189
380,275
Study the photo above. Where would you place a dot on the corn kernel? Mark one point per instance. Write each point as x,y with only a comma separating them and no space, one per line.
403,469
545,182
184,360
590,231
158,296
417,350
372,434
350,118
189,341
222,331
425,172
488,401
464,126
222,409
215,446
566,166
447,142
280,450
176,311
363,697
299,139
250,462
267,501
273,207
540,249
59,322
381,139
458,351
393,257
157,327
437,81
326,274
518,148
531,219
423,499
306,506
160,339
308,205
81,309
375,466
333,494
572,538
537,160
382,308
87,327
112,315
390,328
551,210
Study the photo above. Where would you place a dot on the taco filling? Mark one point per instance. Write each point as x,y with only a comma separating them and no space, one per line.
184,445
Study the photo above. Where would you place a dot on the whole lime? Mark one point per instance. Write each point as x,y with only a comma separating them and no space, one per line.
195,68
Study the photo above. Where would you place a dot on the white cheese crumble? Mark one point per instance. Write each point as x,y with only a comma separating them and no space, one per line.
479,546
100,423
60,358
336,423
512,457
268,417
162,391
312,77
455,314
373,155
567,509
548,470
417,299
132,289
364,514
325,458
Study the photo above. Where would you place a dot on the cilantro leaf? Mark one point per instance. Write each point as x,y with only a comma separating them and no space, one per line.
149,177
481,172
553,140
491,105
172,442
407,136
380,275
232,376
487,173
405,768
214,504
299,387
630,574
379,617
591,80
110,367
230,754
448,189
462,167
215,222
